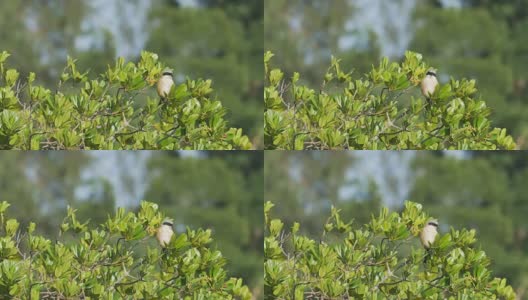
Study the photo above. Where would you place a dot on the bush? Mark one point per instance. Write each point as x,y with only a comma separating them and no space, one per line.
376,111
378,261
113,111
113,261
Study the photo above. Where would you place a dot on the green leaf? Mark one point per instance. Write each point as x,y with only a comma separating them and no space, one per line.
11,77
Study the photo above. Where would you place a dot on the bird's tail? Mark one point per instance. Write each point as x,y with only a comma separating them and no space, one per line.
429,102
427,254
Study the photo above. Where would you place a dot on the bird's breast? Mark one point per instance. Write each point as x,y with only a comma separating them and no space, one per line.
164,235
428,85
164,86
428,236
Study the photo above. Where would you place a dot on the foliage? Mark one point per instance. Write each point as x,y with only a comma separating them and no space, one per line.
376,112
318,179
485,190
377,261
39,34
317,30
222,191
112,112
188,37
53,182
113,261
481,190
453,39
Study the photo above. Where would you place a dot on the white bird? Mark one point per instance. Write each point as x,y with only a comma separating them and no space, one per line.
429,84
165,83
165,233
428,235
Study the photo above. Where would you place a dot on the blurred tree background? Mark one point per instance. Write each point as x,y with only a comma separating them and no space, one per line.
478,39
210,39
485,191
218,190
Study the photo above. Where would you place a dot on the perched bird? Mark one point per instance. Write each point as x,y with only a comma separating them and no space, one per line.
165,83
429,84
165,233
428,235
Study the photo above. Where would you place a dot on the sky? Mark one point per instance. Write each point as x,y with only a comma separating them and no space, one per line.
389,169
118,167
131,17
378,15
121,19
391,20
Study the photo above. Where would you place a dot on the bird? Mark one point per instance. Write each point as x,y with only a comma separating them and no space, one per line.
165,233
428,235
429,84
165,83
